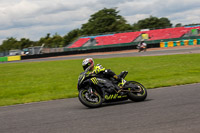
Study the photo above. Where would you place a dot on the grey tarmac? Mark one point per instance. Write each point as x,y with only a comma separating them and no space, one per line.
166,110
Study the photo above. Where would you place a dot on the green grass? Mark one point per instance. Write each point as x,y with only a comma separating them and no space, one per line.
41,81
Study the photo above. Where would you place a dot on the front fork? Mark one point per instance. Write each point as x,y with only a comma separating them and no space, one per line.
94,92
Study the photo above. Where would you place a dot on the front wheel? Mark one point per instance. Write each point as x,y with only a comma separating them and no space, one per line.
138,93
93,100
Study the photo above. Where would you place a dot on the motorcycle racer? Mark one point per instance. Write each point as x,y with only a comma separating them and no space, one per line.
97,85
99,70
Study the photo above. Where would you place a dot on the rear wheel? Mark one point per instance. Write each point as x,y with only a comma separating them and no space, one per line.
91,100
138,93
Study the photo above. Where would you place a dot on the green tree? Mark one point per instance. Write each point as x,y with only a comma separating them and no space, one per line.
45,40
57,41
105,20
51,42
10,43
152,23
178,25
71,36
25,43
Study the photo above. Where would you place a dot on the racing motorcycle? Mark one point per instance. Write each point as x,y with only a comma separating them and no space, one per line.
94,90
141,48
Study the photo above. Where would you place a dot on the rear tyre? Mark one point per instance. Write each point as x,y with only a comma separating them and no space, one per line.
90,100
139,94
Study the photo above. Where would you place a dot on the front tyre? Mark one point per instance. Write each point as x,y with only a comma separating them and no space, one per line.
138,93
93,100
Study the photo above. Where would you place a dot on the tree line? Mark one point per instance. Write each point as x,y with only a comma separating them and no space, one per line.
104,21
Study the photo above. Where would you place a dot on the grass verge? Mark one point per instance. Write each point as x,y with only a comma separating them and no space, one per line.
41,81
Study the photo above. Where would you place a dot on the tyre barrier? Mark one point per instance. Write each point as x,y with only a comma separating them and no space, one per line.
10,58
180,43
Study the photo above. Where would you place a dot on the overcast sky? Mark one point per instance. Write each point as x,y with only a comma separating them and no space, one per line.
33,19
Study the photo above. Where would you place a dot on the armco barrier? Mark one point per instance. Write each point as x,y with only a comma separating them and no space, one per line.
14,58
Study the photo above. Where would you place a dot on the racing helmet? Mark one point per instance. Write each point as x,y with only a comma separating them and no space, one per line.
88,63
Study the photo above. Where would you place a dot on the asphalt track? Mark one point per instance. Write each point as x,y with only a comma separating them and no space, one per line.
166,110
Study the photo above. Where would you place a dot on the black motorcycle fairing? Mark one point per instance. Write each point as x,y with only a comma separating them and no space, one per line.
87,84
104,84
101,85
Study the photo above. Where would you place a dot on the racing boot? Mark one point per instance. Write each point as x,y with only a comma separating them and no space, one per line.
121,77
122,83
120,86
120,80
